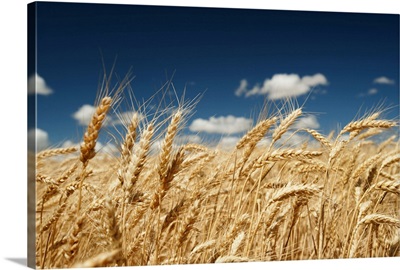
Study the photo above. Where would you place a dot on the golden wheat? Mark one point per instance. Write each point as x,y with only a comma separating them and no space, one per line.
192,203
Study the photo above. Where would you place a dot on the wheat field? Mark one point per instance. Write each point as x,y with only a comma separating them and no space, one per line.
334,196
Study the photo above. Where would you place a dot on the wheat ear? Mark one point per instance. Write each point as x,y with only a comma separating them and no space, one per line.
164,169
127,146
367,123
392,159
193,147
138,165
188,223
285,124
376,219
354,133
256,133
56,216
286,154
319,137
295,190
73,239
391,186
166,149
55,152
90,138
234,231
250,140
166,180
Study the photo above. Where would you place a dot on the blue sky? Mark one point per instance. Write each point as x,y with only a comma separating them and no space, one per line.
337,63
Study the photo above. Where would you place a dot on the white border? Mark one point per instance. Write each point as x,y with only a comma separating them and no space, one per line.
13,65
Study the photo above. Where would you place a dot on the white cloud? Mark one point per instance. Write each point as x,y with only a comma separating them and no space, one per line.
370,92
264,142
283,86
108,148
155,147
254,91
345,137
384,80
317,79
288,139
309,121
221,125
37,85
84,114
39,136
184,139
178,141
228,143
292,139
242,89
69,143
